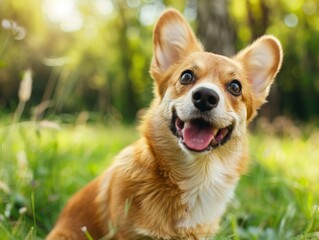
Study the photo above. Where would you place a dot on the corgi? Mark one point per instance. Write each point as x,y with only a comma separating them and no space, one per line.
175,181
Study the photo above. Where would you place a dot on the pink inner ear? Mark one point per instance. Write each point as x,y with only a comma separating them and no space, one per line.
166,56
260,65
174,40
259,78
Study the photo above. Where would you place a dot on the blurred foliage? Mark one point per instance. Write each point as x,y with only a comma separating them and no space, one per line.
93,55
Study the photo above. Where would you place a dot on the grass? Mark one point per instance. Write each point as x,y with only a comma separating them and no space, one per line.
279,197
42,164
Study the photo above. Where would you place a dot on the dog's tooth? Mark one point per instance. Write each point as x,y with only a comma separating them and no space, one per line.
186,124
215,131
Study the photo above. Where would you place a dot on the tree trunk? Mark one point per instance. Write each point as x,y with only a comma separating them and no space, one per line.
215,28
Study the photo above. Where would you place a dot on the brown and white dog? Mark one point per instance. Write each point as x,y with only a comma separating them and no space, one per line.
176,180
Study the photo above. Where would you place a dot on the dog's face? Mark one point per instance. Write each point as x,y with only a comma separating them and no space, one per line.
206,102
208,99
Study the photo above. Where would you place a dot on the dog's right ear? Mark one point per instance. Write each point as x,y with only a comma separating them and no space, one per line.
173,39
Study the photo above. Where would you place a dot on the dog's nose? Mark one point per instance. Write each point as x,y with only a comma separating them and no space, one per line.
205,99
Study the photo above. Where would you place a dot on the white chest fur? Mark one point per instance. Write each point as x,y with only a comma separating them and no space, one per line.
208,190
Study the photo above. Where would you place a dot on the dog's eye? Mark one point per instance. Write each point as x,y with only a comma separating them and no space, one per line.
187,77
234,87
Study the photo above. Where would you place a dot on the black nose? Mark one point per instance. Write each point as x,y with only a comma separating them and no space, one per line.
205,99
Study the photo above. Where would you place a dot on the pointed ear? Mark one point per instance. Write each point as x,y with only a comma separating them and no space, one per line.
261,61
173,39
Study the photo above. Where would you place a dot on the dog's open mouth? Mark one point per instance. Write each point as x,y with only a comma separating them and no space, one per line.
199,135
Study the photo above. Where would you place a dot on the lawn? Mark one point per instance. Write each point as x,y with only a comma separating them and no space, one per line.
42,164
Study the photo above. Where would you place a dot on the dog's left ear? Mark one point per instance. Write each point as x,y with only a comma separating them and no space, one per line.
173,39
261,61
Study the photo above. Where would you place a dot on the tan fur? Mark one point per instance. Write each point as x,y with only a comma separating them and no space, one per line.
155,189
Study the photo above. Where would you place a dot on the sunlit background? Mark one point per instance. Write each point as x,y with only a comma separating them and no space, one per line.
93,55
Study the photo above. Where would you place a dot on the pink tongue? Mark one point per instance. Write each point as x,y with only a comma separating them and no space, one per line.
197,135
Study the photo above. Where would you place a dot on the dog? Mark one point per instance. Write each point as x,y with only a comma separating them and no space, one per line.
175,181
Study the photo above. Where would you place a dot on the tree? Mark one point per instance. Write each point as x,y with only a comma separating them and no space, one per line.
215,28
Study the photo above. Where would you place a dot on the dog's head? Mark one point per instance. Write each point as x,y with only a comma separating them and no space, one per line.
208,99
